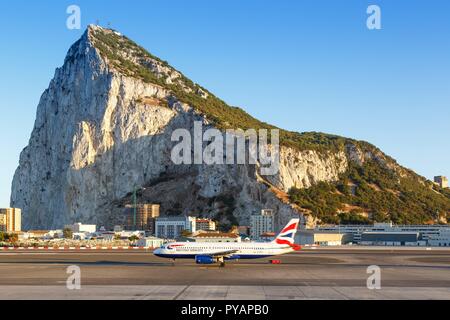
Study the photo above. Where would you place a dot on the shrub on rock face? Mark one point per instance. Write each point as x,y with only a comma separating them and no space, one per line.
380,192
67,233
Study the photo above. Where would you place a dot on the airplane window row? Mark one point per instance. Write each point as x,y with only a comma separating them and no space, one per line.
218,248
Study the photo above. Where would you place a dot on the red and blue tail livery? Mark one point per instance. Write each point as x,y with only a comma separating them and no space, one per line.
287,235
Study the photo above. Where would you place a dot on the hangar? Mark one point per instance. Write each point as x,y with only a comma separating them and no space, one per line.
392,239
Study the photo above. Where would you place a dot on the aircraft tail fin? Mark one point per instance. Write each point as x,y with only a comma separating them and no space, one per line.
286,236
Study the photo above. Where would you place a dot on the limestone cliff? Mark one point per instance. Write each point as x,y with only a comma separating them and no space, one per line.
104,126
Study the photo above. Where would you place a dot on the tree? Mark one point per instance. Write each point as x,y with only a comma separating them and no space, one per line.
343,187
13,237
67,233
186,233
133,238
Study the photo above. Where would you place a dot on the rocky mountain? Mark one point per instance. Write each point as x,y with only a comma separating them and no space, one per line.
104,127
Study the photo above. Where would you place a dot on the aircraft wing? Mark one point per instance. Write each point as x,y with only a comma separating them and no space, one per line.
223,253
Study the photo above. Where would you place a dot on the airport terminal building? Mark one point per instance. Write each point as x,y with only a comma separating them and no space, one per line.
389,234
321,238
392,239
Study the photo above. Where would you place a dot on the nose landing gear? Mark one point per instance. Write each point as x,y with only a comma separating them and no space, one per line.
221,260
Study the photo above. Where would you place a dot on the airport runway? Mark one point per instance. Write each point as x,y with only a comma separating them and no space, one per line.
324,273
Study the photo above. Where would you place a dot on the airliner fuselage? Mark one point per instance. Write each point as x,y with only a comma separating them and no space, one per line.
213,252
237,250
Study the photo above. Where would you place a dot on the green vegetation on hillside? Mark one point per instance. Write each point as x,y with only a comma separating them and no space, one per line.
377,191
9,237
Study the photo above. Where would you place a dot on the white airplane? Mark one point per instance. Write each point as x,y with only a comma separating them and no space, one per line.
218,252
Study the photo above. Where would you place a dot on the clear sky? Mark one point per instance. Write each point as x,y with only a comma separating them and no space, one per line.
301,65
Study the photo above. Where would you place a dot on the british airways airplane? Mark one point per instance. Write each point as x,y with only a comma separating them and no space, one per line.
218,252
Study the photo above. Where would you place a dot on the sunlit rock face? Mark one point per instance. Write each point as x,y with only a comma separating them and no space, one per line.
101,133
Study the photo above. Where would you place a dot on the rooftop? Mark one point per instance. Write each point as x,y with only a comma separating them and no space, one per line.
216,235
204,220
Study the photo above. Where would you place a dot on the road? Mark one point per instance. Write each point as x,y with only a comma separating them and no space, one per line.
325,273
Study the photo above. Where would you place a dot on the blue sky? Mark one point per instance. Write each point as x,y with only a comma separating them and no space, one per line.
301,65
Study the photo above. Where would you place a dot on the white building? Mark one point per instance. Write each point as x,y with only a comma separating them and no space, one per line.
216,237
150,242
441,181
262,224
52,234
128,234
35,234
426,231
400,238
321,238
108,236
205,224
79,228
440,240
118,229
172,227
79,236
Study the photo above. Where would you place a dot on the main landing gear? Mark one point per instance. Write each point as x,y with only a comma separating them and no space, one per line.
222,262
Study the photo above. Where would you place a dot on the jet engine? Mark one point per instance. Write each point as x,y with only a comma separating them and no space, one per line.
204,260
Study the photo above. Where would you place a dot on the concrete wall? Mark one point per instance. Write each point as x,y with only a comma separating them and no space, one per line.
321,238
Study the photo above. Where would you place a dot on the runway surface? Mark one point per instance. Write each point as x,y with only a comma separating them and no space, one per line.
324,273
